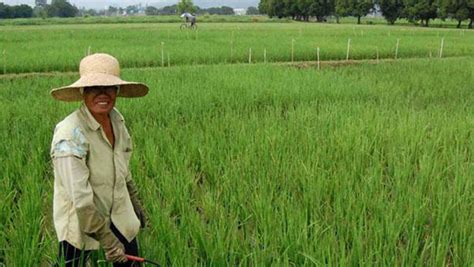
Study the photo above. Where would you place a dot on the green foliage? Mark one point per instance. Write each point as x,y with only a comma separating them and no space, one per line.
186,6
457,9
252,11
61,8
261,165
391,9
17,11
420,10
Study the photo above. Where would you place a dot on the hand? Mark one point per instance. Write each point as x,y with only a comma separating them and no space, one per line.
116,254
141,215
137,206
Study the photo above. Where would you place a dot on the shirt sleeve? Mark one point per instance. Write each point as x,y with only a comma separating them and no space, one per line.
74,175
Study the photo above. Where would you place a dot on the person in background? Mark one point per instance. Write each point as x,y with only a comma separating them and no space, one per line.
95,199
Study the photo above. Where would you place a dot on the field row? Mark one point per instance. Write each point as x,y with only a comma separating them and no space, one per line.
60,48
261,165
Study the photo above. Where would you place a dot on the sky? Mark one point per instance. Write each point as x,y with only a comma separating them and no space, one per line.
97,4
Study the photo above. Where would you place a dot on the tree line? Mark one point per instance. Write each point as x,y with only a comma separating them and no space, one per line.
176,9
416,11
57,8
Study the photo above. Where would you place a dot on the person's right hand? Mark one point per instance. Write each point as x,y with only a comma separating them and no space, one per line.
116,254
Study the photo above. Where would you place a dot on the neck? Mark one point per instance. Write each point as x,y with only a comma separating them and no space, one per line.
102,119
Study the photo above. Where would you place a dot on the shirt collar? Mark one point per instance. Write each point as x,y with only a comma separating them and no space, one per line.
90,120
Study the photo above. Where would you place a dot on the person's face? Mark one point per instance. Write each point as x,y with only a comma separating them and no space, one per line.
100,100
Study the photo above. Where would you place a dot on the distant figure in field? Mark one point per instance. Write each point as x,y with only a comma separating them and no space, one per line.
95,199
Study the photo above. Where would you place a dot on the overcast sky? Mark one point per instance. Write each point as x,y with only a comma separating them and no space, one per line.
158,3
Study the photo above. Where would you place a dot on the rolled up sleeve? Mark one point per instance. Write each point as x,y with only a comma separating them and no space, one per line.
74,175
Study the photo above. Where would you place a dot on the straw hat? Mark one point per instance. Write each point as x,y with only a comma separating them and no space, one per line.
99,70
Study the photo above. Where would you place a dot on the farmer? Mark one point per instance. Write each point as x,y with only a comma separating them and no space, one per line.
95,199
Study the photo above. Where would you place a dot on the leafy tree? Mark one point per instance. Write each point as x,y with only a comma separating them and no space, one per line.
18,11
5,11
169,10
420,10
186,6
131,9
391,9
456,9
151,11
252,11
62,9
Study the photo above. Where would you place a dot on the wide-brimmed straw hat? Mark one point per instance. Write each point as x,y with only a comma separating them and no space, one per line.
99,70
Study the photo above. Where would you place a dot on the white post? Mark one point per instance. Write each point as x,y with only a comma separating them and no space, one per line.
89,50
231,50
319,64
162,54
431,54
4,61
292,50
169,64
250,55
377,51
396,48
264,55
348,48
441,48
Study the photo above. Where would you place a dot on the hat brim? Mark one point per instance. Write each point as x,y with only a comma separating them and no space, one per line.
72,93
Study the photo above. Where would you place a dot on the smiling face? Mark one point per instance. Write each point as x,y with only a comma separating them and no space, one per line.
100,100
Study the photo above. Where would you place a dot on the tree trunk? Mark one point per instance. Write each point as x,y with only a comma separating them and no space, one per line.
358,19
426,22
459,24
337,19
470,24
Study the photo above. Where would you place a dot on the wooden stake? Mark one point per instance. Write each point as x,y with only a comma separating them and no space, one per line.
292,50
348,48
377,51
169,59
396,48
89,50
231,50
250,55
319,64
162,54
4,61
441,48
264,55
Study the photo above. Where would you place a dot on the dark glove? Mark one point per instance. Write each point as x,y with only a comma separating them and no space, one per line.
95,225
114,249
137,206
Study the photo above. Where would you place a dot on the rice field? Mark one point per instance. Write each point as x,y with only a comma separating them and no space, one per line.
32,48
260,164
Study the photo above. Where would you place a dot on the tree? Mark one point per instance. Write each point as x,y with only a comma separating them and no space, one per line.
456,9
62,9
151,11
168,10
252,11
186,6
391,9
131,10
420,10
22,11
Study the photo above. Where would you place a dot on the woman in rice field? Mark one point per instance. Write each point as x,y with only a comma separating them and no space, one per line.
95,199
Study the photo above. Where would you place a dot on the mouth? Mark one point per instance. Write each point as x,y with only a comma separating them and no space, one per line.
103,103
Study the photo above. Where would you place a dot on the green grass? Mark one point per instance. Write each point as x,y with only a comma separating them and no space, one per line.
60,47
269,165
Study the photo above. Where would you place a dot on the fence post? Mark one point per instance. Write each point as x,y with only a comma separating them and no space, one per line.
250,55
264,55
162,54
441,48
348,48
319,64
292,50
4,61
396,48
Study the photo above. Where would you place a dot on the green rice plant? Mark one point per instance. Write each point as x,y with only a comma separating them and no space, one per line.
41,48
258,164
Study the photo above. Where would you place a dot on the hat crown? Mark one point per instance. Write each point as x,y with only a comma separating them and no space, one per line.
99,63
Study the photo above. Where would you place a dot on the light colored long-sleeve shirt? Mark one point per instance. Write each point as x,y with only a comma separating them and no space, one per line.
90,179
